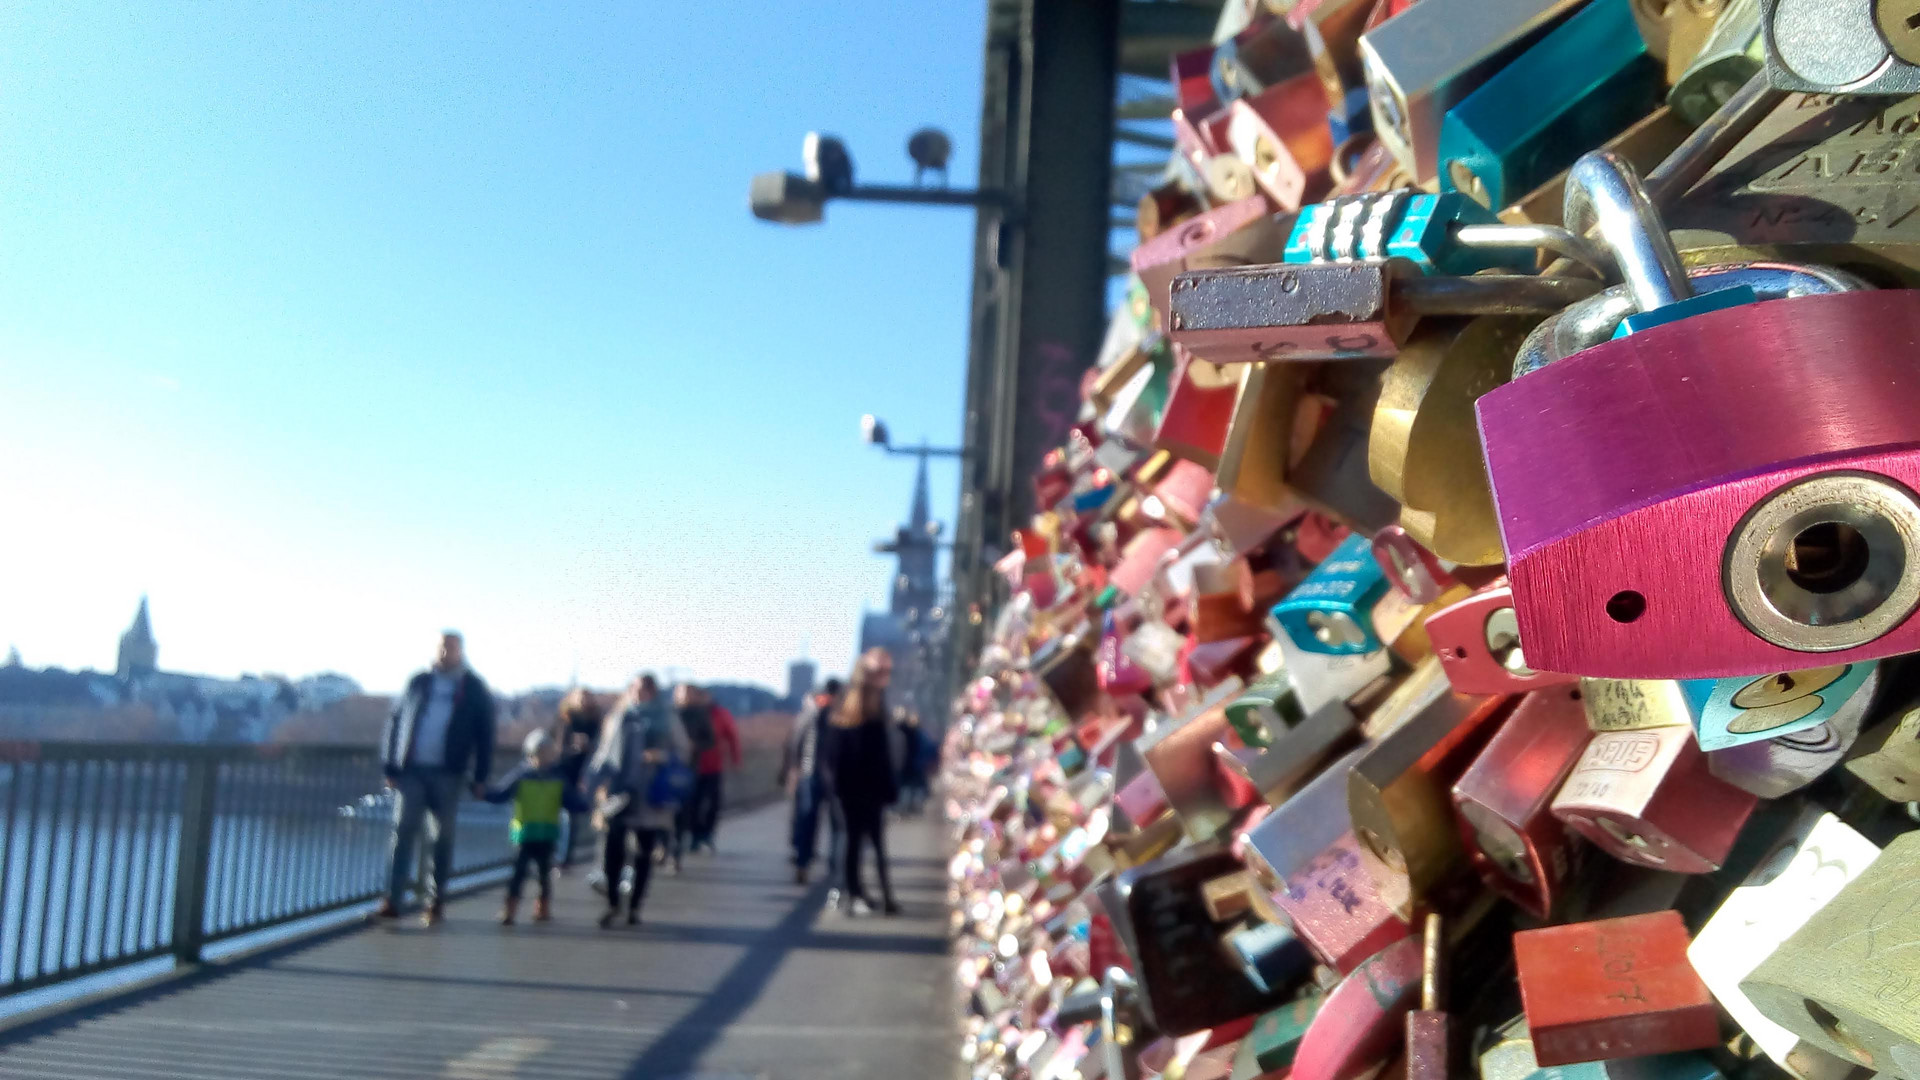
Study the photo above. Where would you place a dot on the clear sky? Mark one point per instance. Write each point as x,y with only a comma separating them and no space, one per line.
329,324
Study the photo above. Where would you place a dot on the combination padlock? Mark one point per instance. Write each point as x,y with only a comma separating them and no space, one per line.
1439,234
1847,980
1793,536
1478,642
1579,85
1504,800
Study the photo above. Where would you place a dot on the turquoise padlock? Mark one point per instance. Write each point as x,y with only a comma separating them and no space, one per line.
1583,83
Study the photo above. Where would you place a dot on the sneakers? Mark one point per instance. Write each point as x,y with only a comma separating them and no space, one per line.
833,897
542,910
436,914
859,909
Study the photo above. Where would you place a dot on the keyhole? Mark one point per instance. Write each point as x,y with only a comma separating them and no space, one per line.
1784,681
1826,557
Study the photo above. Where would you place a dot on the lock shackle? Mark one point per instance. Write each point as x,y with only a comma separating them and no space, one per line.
1120,1065
1604,192
1593,320
1527,236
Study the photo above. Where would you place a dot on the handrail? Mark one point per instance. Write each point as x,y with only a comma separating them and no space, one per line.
116,853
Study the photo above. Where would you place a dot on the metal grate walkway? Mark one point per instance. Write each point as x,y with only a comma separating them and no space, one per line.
736,973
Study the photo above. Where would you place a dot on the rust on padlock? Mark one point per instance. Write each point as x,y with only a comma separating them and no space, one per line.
1505,798
1612,989
1289,312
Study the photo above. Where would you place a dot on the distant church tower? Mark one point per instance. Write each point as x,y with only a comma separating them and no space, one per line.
915,588
139,653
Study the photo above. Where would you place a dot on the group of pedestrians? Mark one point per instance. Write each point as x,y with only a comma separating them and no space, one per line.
644,773
848,760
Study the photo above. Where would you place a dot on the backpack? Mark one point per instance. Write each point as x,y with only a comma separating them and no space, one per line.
698,720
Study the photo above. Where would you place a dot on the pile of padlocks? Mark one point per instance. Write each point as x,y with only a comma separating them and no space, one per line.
1463,325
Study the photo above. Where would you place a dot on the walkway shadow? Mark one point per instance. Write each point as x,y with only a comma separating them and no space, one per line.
680,1047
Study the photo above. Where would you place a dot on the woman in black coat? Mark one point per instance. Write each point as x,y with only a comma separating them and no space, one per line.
856,760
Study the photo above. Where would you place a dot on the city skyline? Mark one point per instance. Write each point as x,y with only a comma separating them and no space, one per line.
327,328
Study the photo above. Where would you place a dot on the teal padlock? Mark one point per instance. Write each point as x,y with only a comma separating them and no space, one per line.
1583,83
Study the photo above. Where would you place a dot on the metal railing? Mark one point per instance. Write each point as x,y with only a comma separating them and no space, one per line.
112,854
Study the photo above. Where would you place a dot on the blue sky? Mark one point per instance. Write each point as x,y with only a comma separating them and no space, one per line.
330,324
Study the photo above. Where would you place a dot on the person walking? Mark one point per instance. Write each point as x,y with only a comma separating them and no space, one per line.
913,762
641,739
438,740
800,775
577,732
710,764
857,753
540,793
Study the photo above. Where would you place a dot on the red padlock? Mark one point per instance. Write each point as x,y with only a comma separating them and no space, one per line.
1478,643
1364,1019
1616,988
1504,800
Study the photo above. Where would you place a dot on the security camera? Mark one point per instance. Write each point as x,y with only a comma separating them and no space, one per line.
828,163
929,148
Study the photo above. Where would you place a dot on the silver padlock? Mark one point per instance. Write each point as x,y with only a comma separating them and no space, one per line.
1842,46
1589,322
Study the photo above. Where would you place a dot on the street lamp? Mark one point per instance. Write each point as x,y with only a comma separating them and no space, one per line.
801,198
873,432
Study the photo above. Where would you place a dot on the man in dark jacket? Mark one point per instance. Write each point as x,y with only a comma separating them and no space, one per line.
799,771
438,741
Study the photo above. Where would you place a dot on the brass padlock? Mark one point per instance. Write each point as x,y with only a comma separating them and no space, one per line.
1887,755
1822,177
1849,980
1424,446
1398,792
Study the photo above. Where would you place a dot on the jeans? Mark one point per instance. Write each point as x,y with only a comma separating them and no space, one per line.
703,808
616,861
810,804
537,854
420,792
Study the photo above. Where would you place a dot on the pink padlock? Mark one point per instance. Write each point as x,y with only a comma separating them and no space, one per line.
1240,233
1719,495
1282,133
1478,643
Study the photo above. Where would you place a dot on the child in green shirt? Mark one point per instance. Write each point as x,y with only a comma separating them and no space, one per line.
540,794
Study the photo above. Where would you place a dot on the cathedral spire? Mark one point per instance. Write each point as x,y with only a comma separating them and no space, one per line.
139,653
922,512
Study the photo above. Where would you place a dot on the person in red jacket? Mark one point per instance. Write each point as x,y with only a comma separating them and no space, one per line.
713,756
